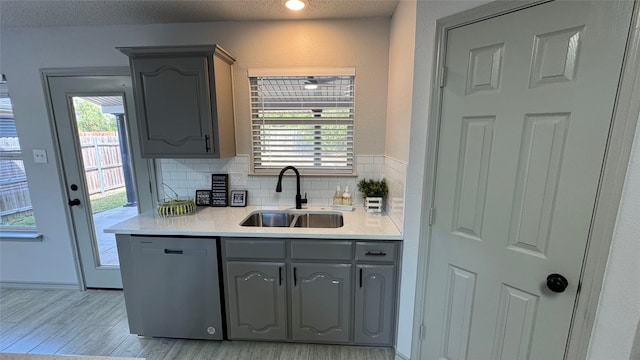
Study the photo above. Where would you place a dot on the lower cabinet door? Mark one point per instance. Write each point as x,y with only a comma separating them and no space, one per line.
257,305
374,304
321,302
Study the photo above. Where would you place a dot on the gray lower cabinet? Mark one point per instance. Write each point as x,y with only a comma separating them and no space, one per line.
317,291
256,300
374,304
171,286
184,100
321,302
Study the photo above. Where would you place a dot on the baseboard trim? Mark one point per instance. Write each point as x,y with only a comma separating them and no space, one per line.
38,285
400,356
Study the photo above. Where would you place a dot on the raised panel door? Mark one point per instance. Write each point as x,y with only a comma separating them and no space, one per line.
174,105
321,302
526,112
256,300
374,304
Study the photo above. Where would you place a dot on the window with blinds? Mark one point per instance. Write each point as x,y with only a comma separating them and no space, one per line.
305,121
16,211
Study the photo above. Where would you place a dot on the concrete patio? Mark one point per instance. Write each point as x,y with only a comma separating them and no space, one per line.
107,242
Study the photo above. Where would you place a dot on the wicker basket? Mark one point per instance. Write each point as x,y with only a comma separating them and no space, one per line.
176,207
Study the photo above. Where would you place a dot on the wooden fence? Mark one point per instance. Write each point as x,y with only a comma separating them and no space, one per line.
14,194
102,161
102,164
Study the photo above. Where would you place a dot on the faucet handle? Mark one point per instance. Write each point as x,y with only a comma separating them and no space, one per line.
304,200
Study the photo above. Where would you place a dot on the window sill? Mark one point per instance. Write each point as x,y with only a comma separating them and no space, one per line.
20,236
276,173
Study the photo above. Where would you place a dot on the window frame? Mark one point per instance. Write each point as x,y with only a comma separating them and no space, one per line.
9,232
347,143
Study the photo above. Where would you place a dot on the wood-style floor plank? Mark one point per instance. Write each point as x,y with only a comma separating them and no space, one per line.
156,349
95,323
40,333
57,341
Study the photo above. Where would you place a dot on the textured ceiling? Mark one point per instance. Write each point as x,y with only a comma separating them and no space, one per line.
43,13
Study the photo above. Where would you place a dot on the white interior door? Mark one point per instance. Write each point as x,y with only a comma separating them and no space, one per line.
106,179
526,112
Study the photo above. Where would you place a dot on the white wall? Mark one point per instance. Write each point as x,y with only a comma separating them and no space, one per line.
362,44
618,314
401,51
401,48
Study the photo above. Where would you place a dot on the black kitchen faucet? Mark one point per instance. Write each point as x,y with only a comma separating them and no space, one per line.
299,199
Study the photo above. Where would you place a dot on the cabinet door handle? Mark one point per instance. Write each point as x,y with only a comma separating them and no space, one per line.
207,147
375,253
169,251
360,277
295,277
280,276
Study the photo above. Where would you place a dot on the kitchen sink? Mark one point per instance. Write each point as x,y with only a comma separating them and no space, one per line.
268,219
319,220
299,219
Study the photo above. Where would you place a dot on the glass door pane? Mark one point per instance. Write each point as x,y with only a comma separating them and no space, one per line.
100,122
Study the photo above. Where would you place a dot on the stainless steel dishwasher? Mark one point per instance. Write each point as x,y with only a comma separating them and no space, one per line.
172,287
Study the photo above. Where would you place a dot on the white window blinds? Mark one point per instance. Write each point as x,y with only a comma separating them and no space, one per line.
304,121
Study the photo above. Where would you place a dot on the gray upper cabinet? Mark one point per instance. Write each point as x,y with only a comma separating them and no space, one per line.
184,100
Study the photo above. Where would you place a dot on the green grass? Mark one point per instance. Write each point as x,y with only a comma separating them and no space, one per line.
25,219
110,200
99,203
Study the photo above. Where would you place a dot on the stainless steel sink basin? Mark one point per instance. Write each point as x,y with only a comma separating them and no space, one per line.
319,220
268,219
294,219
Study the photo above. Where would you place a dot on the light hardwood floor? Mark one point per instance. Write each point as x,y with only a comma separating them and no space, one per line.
94,322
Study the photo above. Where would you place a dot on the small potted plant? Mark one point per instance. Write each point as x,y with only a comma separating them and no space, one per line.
373,192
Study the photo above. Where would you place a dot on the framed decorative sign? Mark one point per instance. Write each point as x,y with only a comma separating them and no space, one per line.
203,197
219,185
238,197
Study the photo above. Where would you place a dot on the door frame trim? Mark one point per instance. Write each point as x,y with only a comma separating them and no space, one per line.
45,75
609,193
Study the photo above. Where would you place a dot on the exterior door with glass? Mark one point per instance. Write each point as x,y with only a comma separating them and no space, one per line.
105,178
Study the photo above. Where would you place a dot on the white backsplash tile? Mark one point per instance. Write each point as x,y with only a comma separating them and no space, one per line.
395,172
185,176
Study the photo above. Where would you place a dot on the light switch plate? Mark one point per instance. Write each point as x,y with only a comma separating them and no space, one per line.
40,156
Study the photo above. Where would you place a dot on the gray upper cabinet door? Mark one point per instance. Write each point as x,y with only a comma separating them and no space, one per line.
321,302
256,300
374,304
184,101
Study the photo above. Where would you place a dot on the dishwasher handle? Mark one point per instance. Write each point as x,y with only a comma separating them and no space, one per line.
176,252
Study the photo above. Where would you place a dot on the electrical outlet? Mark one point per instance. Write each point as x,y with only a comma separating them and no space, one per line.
40,156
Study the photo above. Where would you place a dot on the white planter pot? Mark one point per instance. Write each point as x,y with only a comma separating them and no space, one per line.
373,204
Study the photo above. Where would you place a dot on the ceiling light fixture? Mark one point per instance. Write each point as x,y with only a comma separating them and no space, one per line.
294,5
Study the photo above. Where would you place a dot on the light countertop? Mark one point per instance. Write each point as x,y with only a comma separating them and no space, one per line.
225,221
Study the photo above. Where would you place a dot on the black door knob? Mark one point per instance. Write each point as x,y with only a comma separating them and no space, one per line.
557,283
74,202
